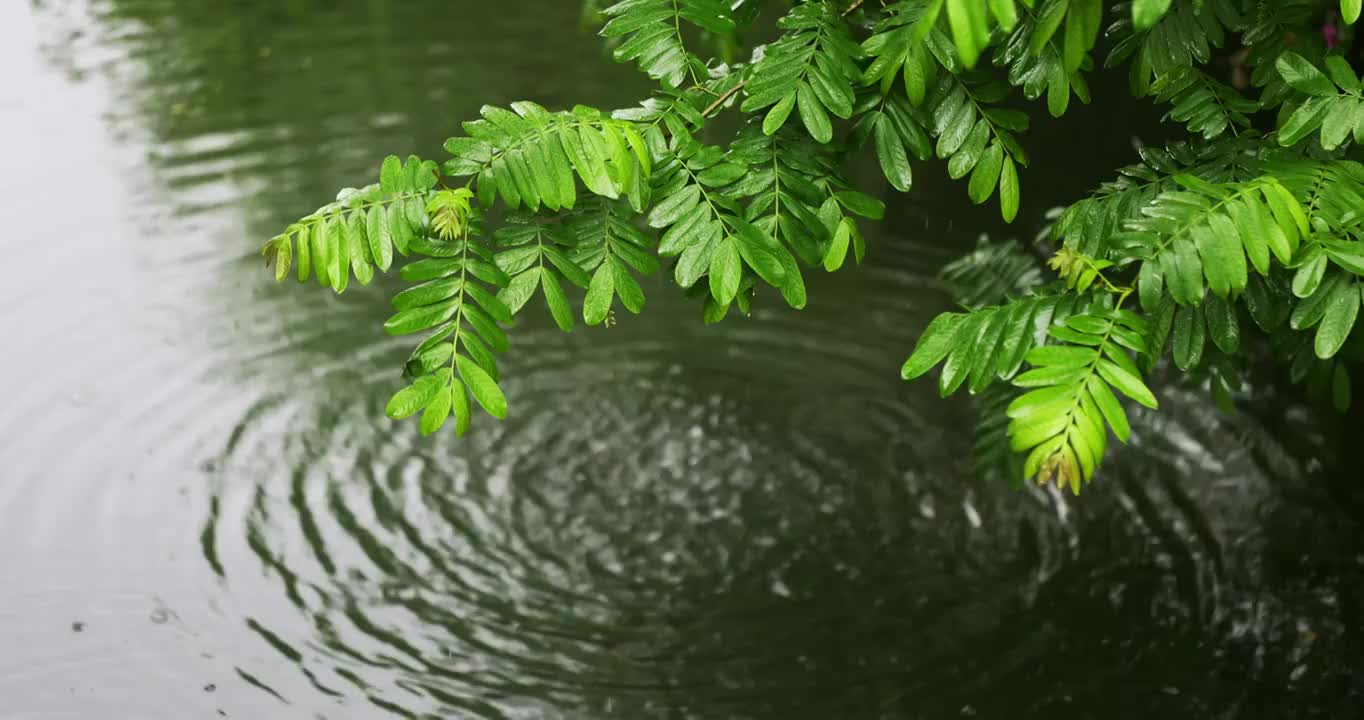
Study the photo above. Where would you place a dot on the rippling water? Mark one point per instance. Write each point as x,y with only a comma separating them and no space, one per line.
203,513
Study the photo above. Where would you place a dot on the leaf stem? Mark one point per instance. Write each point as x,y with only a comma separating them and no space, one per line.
723,99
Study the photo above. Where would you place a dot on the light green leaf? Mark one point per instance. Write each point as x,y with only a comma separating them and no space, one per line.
934,345
435,414
390,174
554,298
460,407
838,249
1145,13
597,304
1127,383
969,29
627,288
483,387
520,290
1349,11
412,399
726,269
1008,190
1110,407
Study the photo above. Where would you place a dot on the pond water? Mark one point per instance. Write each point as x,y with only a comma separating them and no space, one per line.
204,514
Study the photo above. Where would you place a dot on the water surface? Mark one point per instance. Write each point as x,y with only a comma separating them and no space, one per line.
203,512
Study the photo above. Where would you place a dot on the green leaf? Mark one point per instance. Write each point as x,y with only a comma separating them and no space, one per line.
1303,121
986,174
627,288
483,387
1005,14
1061,356
428,293
380,238
435,414
838,249
1127,383
1342,309
554,298
1349,11
1342,74
399,228
497,309
969,29
726,268
422,318
934,345
1008,190
519,292
1308,276
722,174
674,207
460,408
390,174
862,204
890,152
1302,75
1188,340
283,250
1223,323
1109,406
1145,13
597,304
776,117
1339,121
415,397
813,114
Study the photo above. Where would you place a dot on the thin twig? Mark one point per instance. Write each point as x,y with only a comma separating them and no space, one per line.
852,7
723,99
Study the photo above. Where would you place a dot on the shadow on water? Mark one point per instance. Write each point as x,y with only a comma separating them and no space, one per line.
204,514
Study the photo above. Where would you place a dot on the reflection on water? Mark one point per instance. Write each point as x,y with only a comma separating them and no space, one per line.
203,514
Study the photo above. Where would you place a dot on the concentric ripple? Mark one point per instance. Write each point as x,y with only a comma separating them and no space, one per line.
204,514
672,520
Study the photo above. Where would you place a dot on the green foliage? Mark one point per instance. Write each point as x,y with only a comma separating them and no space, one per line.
1244,235
1333,101
1206,106
812,68
360,230
653,29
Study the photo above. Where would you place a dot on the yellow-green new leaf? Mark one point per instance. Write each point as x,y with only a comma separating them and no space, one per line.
1349,10
1145,13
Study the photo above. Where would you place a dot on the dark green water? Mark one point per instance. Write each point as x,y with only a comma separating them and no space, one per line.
203,513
